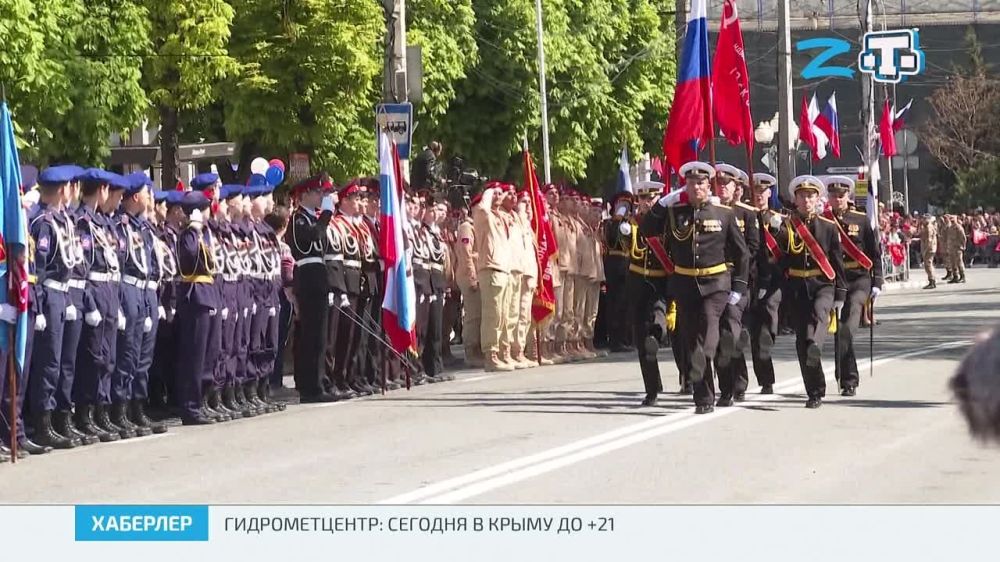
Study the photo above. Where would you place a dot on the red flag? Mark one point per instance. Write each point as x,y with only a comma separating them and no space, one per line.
544,302
731,81
885,130
805,125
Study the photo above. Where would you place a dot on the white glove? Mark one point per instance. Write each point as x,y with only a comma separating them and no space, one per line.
196,219
838,306
147,325
225,313
161,313
246,312
761,294
432,298
121,320
875,293
40,323
327,204
775,220
272,312
422,297
171,314
621,210
734,297
625,228
71,314
213,312
93,318
253,309
329,299
344,301
8,313
673,198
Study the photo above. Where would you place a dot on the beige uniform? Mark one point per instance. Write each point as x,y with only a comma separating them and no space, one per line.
466,263
526,292
928,247
956,241
493,271
583,282
509,345
566,235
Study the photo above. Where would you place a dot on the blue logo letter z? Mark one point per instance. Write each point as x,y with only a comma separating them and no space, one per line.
834,47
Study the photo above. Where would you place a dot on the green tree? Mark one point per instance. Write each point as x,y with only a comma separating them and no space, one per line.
445,30
189,59
308,82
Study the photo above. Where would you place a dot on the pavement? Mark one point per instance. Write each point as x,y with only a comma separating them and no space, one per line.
575,434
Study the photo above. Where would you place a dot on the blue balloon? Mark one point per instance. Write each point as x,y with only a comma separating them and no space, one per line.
275,175
257,179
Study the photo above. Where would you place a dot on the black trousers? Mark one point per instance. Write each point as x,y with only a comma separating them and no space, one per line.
858,292
334,320
346,349
617,302
698,326
763,318
647,315
734,377
811,320
311,332
430,357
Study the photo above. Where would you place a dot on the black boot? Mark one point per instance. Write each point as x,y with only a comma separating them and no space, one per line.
229,402
62,424
239,398
258,392
103,422
21,453
211,406
84,420
140,418
250,392
72,430
46,436
265,389
32,448
119,419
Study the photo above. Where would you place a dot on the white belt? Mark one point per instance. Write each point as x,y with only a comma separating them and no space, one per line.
77,284
437,266
230,277
134,281
353,263
417,261
334,257
56,285
98,277
307,261
152,285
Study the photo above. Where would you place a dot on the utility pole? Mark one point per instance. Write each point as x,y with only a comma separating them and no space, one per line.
786,144
395,88
542,91
868,100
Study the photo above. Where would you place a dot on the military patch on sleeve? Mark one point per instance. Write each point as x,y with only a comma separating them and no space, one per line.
86,242
44,243
466,240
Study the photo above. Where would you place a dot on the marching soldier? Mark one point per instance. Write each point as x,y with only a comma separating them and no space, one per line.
814,265
955,250
763,312
312,287
646,286
702,239
928,248
863,273
616,266
734,340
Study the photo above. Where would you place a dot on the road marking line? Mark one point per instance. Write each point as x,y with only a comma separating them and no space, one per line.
506,473
474,379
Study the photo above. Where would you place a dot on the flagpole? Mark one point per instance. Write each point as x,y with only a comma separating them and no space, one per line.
12,384
542,91
888,159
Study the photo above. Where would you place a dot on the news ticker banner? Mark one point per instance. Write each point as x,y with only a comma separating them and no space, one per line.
246,533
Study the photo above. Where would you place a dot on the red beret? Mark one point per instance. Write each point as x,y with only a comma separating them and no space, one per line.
316,183
353,187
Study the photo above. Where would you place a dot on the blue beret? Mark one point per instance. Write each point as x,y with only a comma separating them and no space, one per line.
160,196
229,191
192,200
201,181
95,175
117,181
55,175
137,181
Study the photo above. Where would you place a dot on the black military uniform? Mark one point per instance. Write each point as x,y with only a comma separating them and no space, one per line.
762,316
863,273
701,241
312,287
815,283
617,260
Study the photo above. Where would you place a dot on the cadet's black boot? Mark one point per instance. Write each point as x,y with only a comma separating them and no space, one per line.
120,420
103,422
814,403
767,389
264,388
250,391
62,424
32,448
46,436
140,418
258,390
725,401
212,405
649,400
21,453
84,419
239,397
229,402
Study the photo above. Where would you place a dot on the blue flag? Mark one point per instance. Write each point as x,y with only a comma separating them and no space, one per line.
13,228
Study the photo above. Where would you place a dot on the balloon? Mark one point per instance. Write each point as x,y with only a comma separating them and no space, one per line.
258,166
275,175
277,163
257,179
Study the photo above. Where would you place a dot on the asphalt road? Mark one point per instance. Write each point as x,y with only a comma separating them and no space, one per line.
575,434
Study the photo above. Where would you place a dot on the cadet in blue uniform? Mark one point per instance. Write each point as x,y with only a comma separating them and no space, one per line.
170,218
198,302
267,283
54,256
862,269
702,239
814,264
140,272
234,395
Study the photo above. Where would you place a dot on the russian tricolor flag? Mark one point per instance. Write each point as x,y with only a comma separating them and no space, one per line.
624,172
829,123
399,305
689,127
